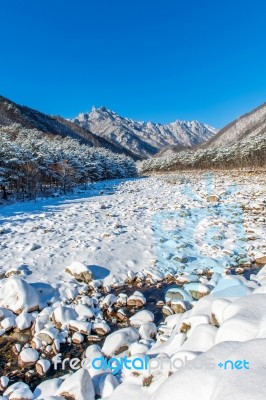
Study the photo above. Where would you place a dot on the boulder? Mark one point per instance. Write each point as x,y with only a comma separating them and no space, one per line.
28,357
77,386
119,341
17,295
136,300
80,271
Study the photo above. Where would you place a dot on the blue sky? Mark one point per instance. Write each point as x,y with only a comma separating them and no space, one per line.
145,59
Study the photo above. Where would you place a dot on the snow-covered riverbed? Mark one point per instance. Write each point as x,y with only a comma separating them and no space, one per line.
205,233
113,226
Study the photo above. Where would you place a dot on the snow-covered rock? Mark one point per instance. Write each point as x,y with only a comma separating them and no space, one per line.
107,384
15,386
17,295
4,380
101,327
84,311
8,323
48,335
42,367
119,341
24,321
47,388
137,299
141,317
21,393
80,271
83,327
62,315
78,386
148,331
77,338
28,357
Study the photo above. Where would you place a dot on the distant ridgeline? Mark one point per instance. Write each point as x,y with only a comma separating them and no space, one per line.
241,144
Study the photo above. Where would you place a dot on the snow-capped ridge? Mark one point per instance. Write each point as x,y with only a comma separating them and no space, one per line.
140,137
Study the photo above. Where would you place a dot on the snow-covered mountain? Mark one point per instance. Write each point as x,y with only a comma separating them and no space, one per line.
15,117
143,138
240,144
253,123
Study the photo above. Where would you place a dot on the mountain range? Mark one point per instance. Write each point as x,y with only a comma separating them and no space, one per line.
104,128
14,117
144,139
240,144
177,145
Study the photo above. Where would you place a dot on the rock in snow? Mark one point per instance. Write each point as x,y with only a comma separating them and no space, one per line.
119,341
28,357
215,313
78,386
80,271
141,317
17,295
136,300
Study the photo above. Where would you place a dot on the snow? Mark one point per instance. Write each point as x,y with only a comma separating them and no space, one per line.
17,295
47,388
215,383
107,384
141,138
110,234
71,230
29,356
21,393
80,271
24,321
141,317
78,385
42,366
119,339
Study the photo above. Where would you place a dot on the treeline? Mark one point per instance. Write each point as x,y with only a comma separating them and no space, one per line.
32,163
244,154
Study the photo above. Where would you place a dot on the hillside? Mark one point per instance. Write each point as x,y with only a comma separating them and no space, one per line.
241,144
252,123
14,117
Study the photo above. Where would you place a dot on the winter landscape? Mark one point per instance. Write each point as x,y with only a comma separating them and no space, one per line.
132,200
155,269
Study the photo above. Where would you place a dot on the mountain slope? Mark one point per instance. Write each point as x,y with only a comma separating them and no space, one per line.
253,122
241,144
14,116
143,138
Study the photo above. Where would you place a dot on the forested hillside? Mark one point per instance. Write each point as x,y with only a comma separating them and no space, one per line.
241,144
32,163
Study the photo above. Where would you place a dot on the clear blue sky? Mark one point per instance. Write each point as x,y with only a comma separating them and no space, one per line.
146,59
